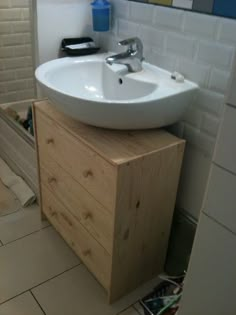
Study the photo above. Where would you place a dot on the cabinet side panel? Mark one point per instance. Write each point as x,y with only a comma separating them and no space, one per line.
34,109
146,194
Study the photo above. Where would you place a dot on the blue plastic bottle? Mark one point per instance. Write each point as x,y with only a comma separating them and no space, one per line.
101,15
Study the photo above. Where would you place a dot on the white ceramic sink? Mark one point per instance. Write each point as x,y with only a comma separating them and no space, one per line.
93,92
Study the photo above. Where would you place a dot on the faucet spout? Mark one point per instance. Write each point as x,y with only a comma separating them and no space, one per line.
132,58
119,58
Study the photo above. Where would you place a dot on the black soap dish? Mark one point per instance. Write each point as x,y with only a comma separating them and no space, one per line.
78,46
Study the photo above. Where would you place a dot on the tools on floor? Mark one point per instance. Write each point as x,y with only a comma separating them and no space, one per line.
26,122
13,114
17,185
164,299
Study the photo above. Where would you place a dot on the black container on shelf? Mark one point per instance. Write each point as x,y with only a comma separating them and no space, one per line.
80,46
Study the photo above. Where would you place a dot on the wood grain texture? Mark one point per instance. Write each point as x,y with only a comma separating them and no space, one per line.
94,256
43,216
146,194
87,210
19,154
115,146
87,167
125,181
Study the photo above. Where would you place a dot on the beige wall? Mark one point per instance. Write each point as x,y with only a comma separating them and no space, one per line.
16,61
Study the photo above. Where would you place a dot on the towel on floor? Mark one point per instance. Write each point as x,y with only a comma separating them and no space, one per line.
17,185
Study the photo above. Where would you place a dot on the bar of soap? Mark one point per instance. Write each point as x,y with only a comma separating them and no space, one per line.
81,46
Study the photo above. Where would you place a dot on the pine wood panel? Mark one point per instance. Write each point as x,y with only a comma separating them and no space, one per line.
116,146
146,197
19,153
131,184
94,173
87,210
89,250
43,216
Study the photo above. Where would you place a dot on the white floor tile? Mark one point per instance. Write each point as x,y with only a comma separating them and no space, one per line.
129,311
139,308
32,260
8,201
20,223
80,291
23,304
82,295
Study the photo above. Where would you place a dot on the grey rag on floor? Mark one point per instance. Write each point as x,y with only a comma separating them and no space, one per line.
17,185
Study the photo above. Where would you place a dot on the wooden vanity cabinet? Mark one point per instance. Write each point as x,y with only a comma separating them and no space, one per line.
110,194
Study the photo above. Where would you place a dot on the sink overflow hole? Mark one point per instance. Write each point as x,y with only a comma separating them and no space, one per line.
120,81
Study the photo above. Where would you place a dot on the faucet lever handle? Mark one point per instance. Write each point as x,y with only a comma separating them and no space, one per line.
127,42
132,41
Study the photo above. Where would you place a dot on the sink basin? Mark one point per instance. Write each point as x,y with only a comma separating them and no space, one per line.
95,93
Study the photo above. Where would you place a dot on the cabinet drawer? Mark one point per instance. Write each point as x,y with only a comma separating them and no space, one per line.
87,210
94,256
94,173
220,202
225,154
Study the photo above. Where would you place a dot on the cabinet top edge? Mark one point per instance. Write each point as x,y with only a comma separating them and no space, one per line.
116,146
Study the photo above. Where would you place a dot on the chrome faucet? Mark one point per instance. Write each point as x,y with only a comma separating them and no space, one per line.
132,57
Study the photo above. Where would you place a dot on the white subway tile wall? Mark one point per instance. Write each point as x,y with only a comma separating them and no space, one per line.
164,17
185,4
202,47
200,25
16,61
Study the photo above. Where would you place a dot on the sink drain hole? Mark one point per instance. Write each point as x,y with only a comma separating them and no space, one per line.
120,81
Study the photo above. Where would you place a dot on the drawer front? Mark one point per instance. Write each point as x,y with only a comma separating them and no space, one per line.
94,256
220,201
95,174
87,210
225,154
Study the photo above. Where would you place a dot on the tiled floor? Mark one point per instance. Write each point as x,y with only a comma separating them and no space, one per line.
8,202
39,274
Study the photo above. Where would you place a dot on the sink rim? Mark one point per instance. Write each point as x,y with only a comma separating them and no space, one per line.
147,75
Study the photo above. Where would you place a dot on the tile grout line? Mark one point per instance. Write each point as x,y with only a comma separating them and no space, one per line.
133,306
39,305
127,308
136,308
7,214
218,222
59,274
56,276
17,239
